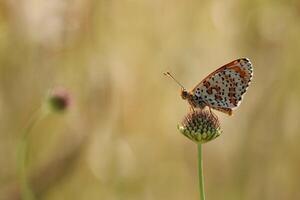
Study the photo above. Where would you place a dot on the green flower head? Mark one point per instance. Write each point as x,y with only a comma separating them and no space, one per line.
200,126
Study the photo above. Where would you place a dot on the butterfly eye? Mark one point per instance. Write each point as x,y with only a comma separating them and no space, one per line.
184,94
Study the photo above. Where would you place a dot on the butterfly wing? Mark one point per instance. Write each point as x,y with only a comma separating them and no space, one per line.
223,89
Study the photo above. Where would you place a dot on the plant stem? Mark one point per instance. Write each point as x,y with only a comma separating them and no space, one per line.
22,150
200,173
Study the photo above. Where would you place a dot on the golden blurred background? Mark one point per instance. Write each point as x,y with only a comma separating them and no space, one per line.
119,138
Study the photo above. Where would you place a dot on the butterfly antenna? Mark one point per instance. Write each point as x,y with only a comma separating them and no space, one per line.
170,75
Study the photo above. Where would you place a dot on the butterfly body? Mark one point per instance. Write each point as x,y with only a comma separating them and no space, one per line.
198,102
223,89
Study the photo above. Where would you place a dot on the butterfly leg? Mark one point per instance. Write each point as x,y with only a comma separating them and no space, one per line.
192,109
212,114
227,111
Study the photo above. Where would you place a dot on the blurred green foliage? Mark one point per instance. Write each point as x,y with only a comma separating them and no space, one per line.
119,140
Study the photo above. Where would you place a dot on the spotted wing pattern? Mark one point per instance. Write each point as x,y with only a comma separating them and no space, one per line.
224,88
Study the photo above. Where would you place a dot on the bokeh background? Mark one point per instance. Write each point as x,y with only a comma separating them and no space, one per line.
119,139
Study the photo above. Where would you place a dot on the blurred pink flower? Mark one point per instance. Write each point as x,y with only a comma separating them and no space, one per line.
59,99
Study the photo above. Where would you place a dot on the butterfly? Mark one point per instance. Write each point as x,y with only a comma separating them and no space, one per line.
221,90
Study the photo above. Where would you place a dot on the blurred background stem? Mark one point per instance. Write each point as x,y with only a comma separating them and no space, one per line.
22,150
200,173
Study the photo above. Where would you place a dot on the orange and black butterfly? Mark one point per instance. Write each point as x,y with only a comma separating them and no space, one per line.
221,90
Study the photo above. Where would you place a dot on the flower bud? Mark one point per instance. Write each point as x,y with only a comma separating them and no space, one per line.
59,100
200,126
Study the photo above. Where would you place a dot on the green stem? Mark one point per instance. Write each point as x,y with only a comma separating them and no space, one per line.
200,173
22,150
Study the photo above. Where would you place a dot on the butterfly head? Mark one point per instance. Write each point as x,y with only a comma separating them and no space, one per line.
184,94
